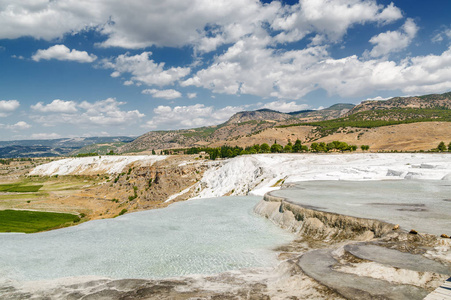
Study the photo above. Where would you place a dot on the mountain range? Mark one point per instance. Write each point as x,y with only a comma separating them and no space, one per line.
400,123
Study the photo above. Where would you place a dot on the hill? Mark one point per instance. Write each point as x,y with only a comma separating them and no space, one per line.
432,101
265,125
241,124
53,147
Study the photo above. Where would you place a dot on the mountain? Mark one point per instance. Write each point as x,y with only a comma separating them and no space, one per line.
54,147
258,115
433,101
241,124
264,125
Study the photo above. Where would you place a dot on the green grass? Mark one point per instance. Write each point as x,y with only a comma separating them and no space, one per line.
17,188
33,221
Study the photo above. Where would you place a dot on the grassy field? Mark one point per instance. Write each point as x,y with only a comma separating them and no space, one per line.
18,188
33,221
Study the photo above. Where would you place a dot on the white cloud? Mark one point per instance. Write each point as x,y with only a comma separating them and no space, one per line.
249,67
18,57
204,24
45,136
393,41
100,113
8,106
145,70
165,94
378,98
61,52
191,95
128,82
21,125
56,105
190,116
115,74
286,107
330,18
442,35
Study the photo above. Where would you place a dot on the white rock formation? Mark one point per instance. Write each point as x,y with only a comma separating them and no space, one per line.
93,165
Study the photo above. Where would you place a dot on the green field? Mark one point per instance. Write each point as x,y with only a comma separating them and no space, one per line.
33,221
18,188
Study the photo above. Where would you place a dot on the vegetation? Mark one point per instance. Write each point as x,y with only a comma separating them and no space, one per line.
228,151
18,188
441,147
87,154
33,221
135,194
378,118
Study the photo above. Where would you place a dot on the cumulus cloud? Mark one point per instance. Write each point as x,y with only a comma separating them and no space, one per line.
8,106
45,136
284,106
165,94
330,18
61,52
249,67
21,125
56,105
190,116
145,70
191,95
100,113
393,41
379,98
204,24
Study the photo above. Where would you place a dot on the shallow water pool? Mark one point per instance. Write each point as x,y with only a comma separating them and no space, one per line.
423,205
204,236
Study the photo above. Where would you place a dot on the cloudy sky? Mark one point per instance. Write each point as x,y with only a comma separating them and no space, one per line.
111,67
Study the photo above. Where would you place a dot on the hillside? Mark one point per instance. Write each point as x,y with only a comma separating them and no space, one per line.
433,101
265,126
241,124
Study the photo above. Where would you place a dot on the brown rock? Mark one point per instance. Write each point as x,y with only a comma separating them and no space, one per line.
444,236
413,231
396,227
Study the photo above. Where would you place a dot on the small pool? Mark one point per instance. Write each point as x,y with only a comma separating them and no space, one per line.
204,236
423,205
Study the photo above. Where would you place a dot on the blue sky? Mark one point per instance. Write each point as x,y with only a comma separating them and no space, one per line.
95,67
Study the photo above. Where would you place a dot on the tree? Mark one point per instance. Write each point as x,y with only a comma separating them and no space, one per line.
264,148
288,148
153,152
364,147
441,147
297,146
322,147
276,148
314,147
449,146
256,148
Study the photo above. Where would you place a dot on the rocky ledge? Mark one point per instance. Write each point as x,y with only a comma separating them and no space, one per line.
360,258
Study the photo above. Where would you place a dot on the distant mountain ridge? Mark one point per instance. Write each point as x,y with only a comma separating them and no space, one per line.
427,101
245,123
250,123
53,147
243,126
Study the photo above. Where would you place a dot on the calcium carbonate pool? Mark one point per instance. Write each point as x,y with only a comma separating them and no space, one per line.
194,237
423,205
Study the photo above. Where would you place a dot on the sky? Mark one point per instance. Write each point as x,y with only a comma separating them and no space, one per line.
78,68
